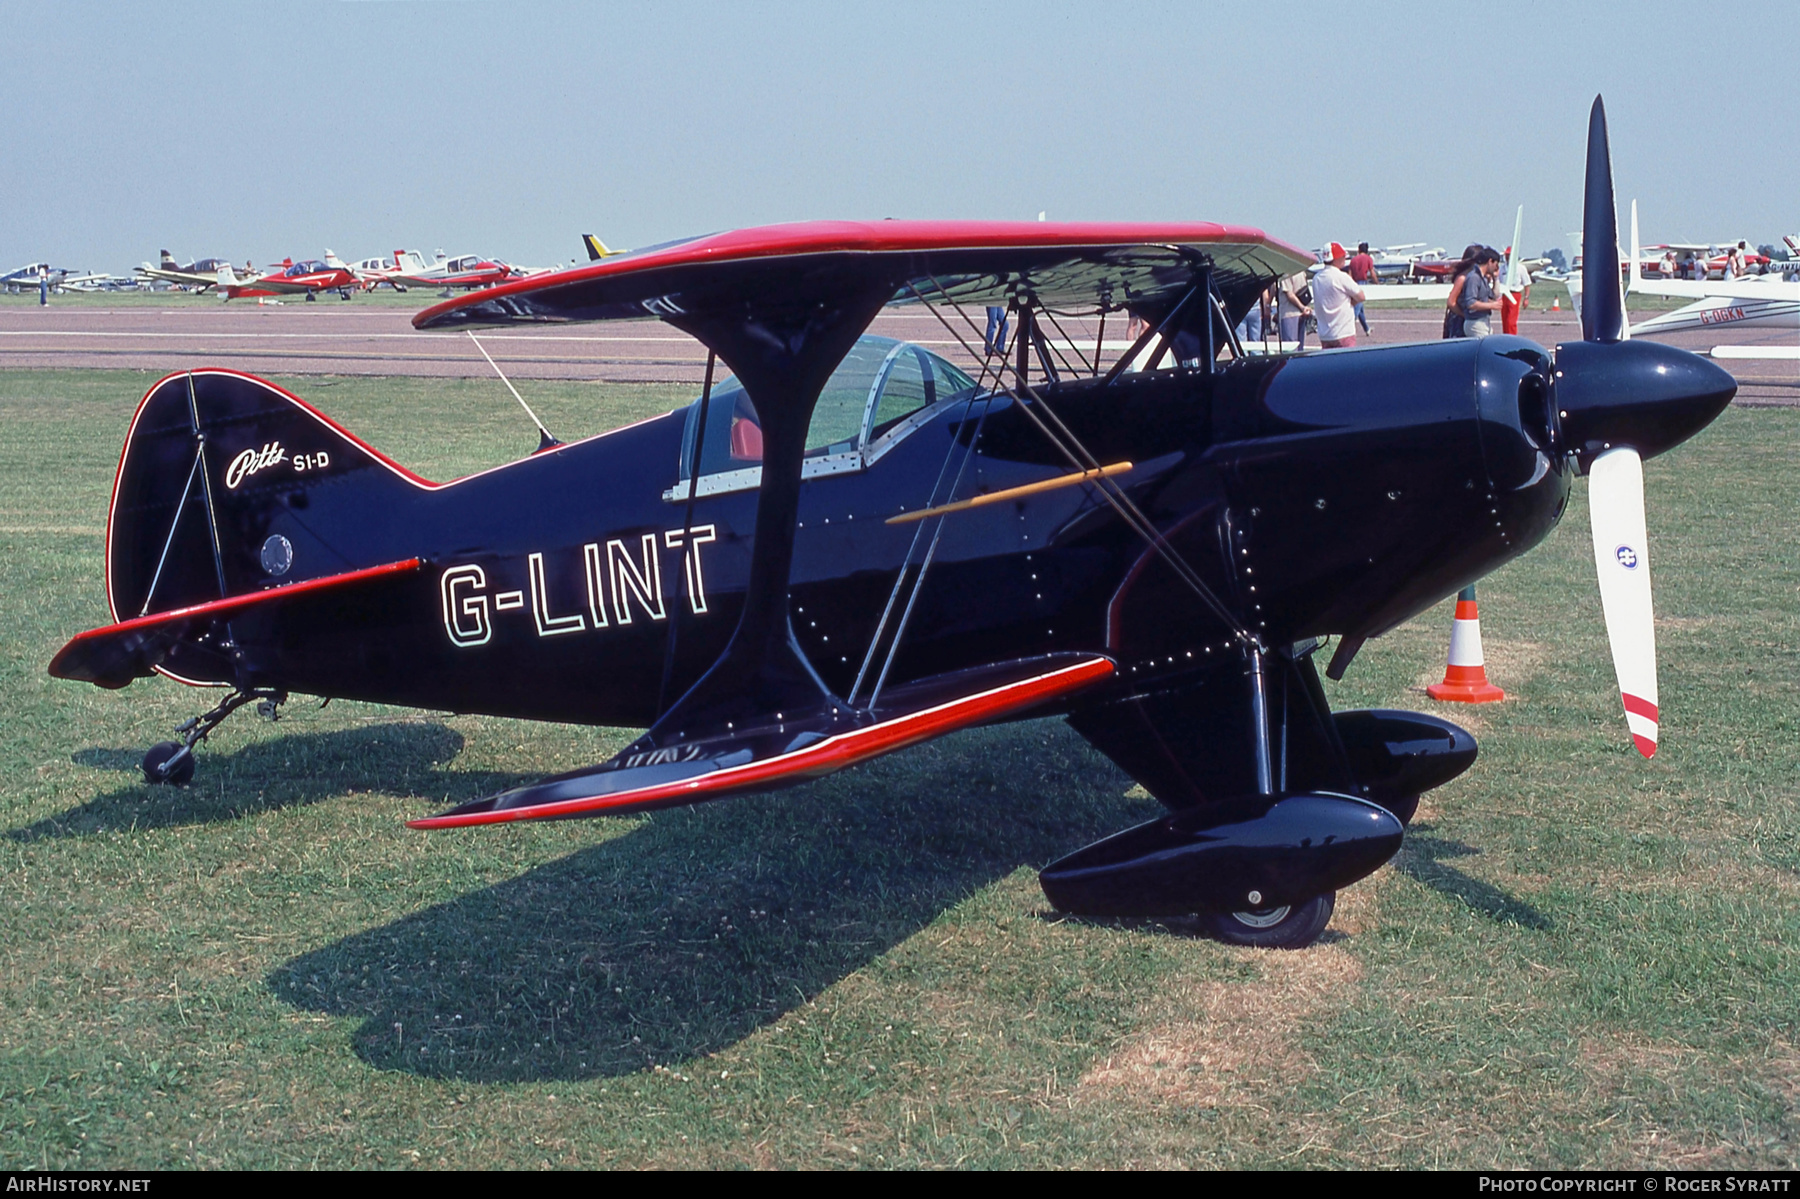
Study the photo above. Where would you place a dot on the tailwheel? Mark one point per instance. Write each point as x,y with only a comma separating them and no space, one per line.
1291,926
172,762
169,762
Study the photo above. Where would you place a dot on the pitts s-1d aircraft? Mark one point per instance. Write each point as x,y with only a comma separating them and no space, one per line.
851,546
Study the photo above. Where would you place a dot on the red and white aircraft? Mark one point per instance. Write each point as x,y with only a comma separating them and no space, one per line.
291,278
465,271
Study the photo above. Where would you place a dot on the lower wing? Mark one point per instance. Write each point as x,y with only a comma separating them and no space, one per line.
789,748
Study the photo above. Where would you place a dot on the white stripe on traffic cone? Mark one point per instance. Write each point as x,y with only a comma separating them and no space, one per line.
1465,677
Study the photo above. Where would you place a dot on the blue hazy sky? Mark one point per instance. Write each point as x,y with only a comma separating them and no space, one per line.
260,131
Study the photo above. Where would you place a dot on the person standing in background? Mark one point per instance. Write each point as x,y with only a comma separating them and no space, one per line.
43,284
1362,273
1514,294
994,343
1453,313
1478,299
1292,310
1335,299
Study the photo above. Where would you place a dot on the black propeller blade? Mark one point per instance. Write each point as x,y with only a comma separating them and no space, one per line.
1602,295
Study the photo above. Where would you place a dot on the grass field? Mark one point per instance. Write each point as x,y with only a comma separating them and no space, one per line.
1580,959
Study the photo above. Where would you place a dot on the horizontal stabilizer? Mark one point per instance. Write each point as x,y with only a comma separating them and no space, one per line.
115,654
788,747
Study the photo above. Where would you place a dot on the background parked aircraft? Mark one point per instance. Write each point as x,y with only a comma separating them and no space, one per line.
409,269
200,274
292,278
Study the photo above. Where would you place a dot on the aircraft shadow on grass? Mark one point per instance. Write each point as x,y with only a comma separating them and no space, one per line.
1423,859
686,934
399,757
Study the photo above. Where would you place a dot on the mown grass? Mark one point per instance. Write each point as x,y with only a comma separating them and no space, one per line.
1580,959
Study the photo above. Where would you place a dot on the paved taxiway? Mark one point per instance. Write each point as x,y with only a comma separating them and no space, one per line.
332,337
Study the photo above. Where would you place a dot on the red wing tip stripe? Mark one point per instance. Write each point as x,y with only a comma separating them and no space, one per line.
1644,745
1639,707
232,603
833,753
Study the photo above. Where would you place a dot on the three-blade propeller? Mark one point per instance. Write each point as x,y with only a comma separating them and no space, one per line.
1616,475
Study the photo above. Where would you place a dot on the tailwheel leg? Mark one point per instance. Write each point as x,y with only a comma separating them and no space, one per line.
1291,926
172,762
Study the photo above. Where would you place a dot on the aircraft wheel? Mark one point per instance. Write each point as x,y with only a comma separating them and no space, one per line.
1293,927
311,296
158,770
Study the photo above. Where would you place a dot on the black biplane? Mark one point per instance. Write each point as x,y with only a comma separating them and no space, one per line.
852,546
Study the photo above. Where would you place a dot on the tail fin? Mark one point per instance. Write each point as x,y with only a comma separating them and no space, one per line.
168,260
334,262
228,485
596,248
227,278
1515,251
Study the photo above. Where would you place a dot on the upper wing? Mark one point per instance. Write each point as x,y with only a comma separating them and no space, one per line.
789,748
1110,265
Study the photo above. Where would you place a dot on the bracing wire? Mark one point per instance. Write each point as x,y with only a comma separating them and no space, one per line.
548,438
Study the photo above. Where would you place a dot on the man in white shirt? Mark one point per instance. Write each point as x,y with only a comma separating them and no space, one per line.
1335,297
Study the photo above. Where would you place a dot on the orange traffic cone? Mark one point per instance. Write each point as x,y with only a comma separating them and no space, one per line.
1555,303
1465,678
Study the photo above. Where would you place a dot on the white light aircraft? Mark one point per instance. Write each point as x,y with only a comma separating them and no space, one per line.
1753,302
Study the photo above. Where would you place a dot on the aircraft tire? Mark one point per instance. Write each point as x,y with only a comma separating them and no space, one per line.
160,753
1293,927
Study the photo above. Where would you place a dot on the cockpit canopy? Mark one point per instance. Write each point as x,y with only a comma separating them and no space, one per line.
864,408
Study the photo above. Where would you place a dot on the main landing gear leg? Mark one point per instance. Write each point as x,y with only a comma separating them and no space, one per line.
172,762
1289,926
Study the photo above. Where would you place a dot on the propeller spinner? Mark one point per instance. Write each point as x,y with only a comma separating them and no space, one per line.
1620,402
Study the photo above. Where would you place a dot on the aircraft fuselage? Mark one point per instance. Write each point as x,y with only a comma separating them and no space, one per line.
1335,493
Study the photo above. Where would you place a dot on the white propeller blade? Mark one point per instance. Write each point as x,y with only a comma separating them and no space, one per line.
1622,560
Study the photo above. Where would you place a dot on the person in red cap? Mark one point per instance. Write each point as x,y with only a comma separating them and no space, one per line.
1335,297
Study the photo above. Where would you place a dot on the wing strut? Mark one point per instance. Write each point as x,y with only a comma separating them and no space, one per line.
687,527
782,347
995,361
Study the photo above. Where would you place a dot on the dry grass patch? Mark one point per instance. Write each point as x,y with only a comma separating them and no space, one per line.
1227,1044
1511,666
